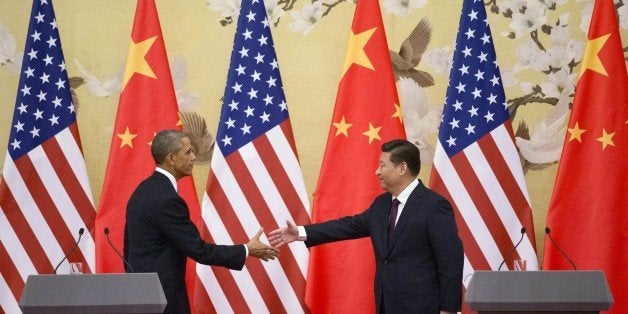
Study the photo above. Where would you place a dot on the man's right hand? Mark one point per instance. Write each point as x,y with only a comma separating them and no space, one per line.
260,250
284,235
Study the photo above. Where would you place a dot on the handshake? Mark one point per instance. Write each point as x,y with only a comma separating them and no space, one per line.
276,238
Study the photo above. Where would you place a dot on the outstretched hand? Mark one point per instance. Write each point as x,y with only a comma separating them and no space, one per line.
284,235
260,250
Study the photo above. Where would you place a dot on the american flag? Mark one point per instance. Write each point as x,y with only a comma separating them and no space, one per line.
45,197
255,178
476,165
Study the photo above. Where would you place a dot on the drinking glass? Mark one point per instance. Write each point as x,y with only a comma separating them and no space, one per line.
520,265
76,268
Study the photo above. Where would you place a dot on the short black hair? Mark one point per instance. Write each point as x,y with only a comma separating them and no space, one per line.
403,151
164,143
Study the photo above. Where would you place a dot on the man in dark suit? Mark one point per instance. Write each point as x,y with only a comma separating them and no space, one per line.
159,235
418,253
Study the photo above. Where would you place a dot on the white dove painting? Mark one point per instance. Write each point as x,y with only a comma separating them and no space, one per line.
98,88
545,143
8,55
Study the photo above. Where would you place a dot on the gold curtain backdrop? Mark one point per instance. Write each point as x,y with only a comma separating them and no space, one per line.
539,44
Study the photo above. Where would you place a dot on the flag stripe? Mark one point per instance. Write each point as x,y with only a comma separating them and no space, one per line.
46,204
280,178
234,303
473,253
17,256
282,143
476,156
286,129
507,178
71,177
268,170
480,198
70,142
263,214
503,180
264,187
33,215
77,205
26,237
10,304
39,208
68,180
61,203
219,232
255,178
10,273
504,142
509,197
462,199
237,199
468,271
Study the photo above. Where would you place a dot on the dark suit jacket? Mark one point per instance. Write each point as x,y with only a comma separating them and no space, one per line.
420,271
159,236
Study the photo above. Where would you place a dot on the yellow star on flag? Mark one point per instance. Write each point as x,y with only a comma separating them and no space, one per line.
342,127
591,60
127,138
373,133
136,61
356,53
575,133
606,139
398,113
179,122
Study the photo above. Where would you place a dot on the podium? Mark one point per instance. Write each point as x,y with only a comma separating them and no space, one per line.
99,293
538,292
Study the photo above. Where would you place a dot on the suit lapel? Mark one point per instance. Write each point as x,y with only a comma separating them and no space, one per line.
409,209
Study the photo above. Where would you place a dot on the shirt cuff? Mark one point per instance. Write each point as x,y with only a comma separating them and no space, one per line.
302,233
246,251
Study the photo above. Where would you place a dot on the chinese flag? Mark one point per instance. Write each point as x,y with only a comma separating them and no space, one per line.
588,212
366,114
147,105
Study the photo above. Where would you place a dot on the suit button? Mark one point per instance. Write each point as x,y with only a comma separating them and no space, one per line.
385,262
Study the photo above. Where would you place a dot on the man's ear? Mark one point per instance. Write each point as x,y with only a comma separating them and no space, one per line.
170,159
403,167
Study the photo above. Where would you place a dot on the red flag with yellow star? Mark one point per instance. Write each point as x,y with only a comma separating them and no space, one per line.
147,105
588,211
366,114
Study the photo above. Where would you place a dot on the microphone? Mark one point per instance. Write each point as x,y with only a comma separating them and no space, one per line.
549,234
114,248
72,250
523,232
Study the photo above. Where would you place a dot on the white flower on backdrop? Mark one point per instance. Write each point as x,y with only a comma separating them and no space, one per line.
529,20
306,18
402,7
440,59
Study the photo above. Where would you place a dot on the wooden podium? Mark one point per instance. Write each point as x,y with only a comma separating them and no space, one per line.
538,292
100,293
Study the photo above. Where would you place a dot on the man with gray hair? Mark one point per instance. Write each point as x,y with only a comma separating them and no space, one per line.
159,234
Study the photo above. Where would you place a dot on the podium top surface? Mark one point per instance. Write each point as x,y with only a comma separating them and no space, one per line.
98,293
538,291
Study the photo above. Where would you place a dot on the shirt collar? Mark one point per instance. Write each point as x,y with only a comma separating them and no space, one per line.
169,176
405,194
